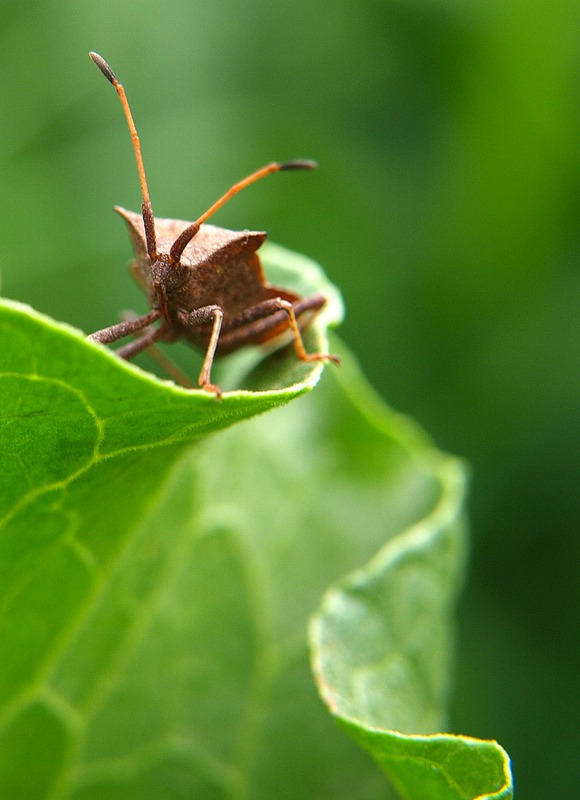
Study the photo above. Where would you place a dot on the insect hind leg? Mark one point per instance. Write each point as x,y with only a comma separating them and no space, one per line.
265,322
303,355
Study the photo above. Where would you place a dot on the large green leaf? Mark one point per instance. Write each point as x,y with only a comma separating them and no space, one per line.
381,645
156,583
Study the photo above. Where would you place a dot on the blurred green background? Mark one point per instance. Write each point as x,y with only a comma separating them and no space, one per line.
445,207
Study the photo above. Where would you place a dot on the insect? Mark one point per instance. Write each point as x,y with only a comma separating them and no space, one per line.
205,284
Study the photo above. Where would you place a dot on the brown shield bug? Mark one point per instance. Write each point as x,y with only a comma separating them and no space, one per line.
205,284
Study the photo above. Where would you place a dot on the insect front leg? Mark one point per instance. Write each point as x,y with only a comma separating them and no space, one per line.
203,316
144,341
115,332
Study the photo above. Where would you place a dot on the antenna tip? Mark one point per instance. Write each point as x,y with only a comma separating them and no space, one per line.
104,67
300,163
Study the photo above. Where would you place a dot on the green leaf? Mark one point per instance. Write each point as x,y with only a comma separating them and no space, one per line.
381,644
156,583
443,767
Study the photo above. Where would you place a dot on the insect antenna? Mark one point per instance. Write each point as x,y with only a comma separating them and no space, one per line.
187,235
146,209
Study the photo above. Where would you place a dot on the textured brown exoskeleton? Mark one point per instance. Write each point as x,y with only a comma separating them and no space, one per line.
205,284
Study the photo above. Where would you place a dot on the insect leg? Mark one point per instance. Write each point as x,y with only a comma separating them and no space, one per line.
286,306
199,316
262,322
125,328
133,349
